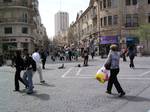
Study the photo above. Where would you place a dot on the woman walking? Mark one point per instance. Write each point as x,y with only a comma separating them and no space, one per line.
113,60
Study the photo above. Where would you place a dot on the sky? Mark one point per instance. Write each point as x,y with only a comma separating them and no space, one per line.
48,8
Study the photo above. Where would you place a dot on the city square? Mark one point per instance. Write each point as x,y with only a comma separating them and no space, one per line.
63,55
75,89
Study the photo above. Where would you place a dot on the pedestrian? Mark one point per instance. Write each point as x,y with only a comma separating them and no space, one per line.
92,54
86,57
131,54
19,65
124,51
37,59
30,68
43,57
113,59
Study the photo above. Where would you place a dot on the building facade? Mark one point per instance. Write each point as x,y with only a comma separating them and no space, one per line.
61,22
20,26
112,21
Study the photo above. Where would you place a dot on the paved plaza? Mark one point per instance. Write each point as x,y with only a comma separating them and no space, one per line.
75,89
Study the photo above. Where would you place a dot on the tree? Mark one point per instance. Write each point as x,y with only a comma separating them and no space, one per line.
143,34
71,37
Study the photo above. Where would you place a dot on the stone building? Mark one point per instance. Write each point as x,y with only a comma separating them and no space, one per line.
85,27
20,26
112,21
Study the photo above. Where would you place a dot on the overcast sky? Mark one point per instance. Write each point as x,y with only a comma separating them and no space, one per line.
48,8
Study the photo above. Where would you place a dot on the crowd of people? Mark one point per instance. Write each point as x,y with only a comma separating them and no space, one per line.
29,64
32,63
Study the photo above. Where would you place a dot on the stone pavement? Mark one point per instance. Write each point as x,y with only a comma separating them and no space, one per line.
74,89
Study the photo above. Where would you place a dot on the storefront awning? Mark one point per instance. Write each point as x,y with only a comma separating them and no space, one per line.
109,40
132,40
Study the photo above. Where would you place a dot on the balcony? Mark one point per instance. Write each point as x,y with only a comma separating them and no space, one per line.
9,20
14,3
131,25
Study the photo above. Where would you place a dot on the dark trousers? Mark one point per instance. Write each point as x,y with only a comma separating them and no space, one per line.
86,61
114,80
131,61
17,79
124,57
43,63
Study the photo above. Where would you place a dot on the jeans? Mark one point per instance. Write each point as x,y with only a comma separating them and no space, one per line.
27,77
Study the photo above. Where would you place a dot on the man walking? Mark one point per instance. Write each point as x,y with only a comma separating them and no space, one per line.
30,66
43,57
36,57
19,65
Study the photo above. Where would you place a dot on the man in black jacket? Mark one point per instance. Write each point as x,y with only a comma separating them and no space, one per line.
19,65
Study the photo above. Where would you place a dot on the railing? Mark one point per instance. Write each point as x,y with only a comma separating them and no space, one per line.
14,3
6,20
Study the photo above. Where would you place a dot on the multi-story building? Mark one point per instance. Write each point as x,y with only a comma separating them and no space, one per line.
20,26
61,22
112,21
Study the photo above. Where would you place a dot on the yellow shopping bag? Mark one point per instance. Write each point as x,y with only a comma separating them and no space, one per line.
102,75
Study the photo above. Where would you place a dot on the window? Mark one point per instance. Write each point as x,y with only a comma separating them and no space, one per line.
101,5
148,1
25,17
109,20
128,2
135,20
132,20
115,20
114,3
104,3
109,3
12,39
105,21
25,30
134,2
128,20
5,1
101,22
8,30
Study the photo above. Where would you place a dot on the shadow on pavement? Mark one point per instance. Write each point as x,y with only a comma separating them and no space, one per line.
136,98
35,94
45,84
41,96
132,98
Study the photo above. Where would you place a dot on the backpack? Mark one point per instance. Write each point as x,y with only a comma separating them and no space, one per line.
33,65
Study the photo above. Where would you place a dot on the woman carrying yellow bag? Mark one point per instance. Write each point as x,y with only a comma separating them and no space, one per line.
113,60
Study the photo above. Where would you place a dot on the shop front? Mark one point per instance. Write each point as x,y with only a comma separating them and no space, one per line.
105,42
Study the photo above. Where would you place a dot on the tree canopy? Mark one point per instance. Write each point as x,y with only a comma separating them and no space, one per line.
143,32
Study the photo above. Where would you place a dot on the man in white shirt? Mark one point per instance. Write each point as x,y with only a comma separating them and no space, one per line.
37,59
